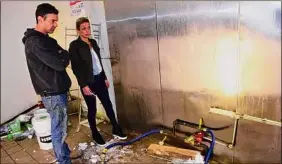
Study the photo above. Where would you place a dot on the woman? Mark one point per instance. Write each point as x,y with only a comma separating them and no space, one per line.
88,69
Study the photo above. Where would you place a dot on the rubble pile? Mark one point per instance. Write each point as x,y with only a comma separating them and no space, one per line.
92,152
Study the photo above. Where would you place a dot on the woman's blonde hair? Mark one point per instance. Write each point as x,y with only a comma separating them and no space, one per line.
80,21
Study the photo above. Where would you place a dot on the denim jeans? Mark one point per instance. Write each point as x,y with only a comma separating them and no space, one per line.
57,108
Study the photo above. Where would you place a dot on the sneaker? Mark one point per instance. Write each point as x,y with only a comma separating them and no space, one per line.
98,139
118,133
100,145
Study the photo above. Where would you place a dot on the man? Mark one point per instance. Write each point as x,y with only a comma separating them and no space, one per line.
47,63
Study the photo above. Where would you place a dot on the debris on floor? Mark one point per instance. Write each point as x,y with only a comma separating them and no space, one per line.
182,161
134,153
18,129
82,146
199,159
114,155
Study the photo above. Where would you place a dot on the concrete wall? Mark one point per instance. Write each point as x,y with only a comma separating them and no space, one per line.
17,93
177,59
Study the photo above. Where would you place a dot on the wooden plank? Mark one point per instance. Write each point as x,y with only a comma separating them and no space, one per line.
171,149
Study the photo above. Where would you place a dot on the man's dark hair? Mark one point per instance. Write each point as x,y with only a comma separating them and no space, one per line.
44,9
80,21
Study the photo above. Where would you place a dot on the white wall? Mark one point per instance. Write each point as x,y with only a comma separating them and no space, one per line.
17,93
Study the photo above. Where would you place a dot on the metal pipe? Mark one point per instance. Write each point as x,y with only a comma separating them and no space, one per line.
217,141
234,133
194,125
261,120
238,116
244,116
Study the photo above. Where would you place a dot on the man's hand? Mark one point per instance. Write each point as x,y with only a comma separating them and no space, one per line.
107,83
87,91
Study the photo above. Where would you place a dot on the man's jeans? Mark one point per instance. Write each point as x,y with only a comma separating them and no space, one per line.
57,108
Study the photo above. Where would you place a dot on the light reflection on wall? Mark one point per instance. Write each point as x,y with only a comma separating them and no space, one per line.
227,66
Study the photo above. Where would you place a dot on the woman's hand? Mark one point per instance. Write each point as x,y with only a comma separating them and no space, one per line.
107,83
87,91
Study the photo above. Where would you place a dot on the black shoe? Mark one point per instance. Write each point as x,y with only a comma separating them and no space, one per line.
118,133
98,139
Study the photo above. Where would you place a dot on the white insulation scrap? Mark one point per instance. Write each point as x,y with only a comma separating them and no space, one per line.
199,159
82,146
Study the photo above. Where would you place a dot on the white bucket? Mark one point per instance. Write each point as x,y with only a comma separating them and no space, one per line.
41,123
40,111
